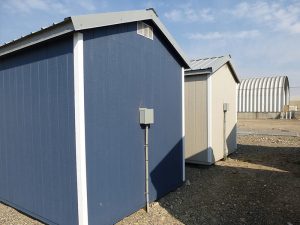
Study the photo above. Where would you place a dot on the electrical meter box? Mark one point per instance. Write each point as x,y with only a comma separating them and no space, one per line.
225,107
146,116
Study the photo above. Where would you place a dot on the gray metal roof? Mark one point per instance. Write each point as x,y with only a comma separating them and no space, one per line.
77,23
210,65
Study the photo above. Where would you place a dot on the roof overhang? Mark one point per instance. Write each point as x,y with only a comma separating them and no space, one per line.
236,78
42,35
198,72
83,22
213,69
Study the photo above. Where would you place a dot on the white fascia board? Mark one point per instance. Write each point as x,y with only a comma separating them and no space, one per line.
80,129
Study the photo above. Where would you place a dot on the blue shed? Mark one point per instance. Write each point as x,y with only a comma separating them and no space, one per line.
72,149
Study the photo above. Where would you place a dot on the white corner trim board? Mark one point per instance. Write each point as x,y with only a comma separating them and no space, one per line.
183,122
80,129
209,118
236,112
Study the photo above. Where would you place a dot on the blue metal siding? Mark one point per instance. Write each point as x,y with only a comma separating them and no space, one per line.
37,148
125,71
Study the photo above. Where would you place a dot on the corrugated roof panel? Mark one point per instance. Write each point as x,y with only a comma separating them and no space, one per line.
212,62
210,65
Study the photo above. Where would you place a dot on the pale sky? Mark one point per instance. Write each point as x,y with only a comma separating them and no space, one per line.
263,37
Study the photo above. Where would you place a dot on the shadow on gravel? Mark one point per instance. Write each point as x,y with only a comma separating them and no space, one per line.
282,158
233,193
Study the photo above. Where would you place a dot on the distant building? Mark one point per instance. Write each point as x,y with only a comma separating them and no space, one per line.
210,85
295,102
263,97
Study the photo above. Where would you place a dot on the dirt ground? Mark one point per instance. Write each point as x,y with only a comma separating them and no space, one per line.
258,184
270,126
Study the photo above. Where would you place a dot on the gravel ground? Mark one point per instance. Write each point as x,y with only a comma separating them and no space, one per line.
10,216
259,184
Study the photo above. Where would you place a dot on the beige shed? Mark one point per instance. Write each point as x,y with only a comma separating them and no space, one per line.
210,110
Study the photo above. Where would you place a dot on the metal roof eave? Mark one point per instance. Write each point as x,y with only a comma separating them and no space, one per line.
212,68
77,23
237,80
42,35
107,19
198,72
164,30
89,21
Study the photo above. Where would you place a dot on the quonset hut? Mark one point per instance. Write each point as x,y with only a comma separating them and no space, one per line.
72,148
263,97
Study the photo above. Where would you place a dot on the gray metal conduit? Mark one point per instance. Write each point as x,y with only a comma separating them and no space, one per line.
147,166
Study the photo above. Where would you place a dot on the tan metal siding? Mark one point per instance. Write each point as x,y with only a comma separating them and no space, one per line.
196,118
223,91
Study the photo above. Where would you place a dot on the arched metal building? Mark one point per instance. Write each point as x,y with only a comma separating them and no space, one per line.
266,94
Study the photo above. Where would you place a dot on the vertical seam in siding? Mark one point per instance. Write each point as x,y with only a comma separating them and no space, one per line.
280,95
80,129
287,91
183,123
259,96
209,115
275,94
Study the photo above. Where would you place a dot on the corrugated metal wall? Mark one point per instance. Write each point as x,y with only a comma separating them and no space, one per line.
267,94
37,152
125,71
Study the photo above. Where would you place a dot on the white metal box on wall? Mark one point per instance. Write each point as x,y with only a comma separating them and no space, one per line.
146,116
